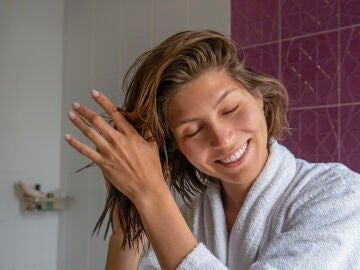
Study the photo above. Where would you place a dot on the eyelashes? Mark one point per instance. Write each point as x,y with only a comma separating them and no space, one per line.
192,134
231,111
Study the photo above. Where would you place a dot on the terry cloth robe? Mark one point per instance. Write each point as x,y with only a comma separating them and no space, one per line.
297,215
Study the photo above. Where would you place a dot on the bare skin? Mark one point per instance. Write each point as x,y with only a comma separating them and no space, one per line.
226,140
117,258
133,167
223,117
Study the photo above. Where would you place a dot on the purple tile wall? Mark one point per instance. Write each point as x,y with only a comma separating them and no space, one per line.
349,12
313,47
266,57
301,17
256,20
350,64
309,69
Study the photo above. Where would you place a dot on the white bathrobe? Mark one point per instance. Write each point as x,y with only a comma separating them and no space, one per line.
297,215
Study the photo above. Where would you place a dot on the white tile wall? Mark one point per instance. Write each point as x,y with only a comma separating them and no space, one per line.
210,14
31,35
42,71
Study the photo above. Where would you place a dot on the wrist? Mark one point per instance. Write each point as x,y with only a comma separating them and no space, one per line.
159,195
163,223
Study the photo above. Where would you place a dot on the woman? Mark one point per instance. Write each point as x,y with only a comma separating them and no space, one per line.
195,118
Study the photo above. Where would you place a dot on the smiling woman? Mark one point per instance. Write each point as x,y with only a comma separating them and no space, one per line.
198,120
224,130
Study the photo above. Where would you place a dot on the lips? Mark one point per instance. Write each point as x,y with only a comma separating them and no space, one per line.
236,155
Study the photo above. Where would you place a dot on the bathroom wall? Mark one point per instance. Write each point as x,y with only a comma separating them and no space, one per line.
313,47
101,39
31,34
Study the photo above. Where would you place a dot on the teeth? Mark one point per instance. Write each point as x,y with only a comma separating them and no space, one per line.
236,155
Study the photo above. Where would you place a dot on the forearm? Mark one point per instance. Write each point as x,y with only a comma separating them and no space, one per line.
166,229
117,258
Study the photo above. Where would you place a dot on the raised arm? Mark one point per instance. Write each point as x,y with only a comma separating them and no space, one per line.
117,258
133,166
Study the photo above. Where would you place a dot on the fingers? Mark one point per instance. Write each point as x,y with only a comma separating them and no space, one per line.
94,119
148,135
89,132
119,120
83,148
96,129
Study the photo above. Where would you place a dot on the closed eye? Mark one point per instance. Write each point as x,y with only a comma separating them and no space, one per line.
193,133
232,110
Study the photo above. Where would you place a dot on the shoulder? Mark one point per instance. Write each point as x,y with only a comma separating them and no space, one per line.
324,193
316,224
322,178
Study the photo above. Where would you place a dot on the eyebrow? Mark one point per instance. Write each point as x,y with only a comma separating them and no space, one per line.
223,95
221,98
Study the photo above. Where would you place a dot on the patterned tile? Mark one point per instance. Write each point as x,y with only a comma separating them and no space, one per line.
264,58
314,137
350,64
349,12
254,21
299,17
309,69
350,136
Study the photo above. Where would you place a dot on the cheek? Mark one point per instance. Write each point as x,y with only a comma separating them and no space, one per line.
192,152
251,119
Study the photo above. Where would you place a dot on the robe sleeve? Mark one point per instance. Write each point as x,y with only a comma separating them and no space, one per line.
199,258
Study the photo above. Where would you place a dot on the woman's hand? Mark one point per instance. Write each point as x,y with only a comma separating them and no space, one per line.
133,166
126,159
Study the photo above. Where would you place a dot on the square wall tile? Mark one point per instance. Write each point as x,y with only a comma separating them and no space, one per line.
350,64
254,21
349,12
206,14
314,137
350,136
308,16
171,12
309,70
264,59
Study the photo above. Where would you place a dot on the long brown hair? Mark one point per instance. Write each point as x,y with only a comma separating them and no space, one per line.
153,80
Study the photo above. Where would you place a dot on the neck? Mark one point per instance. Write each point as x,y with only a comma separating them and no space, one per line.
233,195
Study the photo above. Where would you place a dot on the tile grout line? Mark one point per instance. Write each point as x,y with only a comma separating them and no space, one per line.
92,70
301,36
339,85
188,15
324,106
279,45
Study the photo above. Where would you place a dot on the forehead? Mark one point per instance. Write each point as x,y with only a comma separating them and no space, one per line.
202,94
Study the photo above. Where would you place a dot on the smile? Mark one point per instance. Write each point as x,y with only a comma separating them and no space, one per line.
236,156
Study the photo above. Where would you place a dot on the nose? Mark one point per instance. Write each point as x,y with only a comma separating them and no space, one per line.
220,134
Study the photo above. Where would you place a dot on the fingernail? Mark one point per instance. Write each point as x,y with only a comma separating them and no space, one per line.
95,93
67,136
76,105
72,115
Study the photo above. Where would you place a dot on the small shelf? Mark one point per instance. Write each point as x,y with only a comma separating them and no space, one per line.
31,204
39,202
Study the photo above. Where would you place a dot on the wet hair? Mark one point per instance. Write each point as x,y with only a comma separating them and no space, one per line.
153,80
